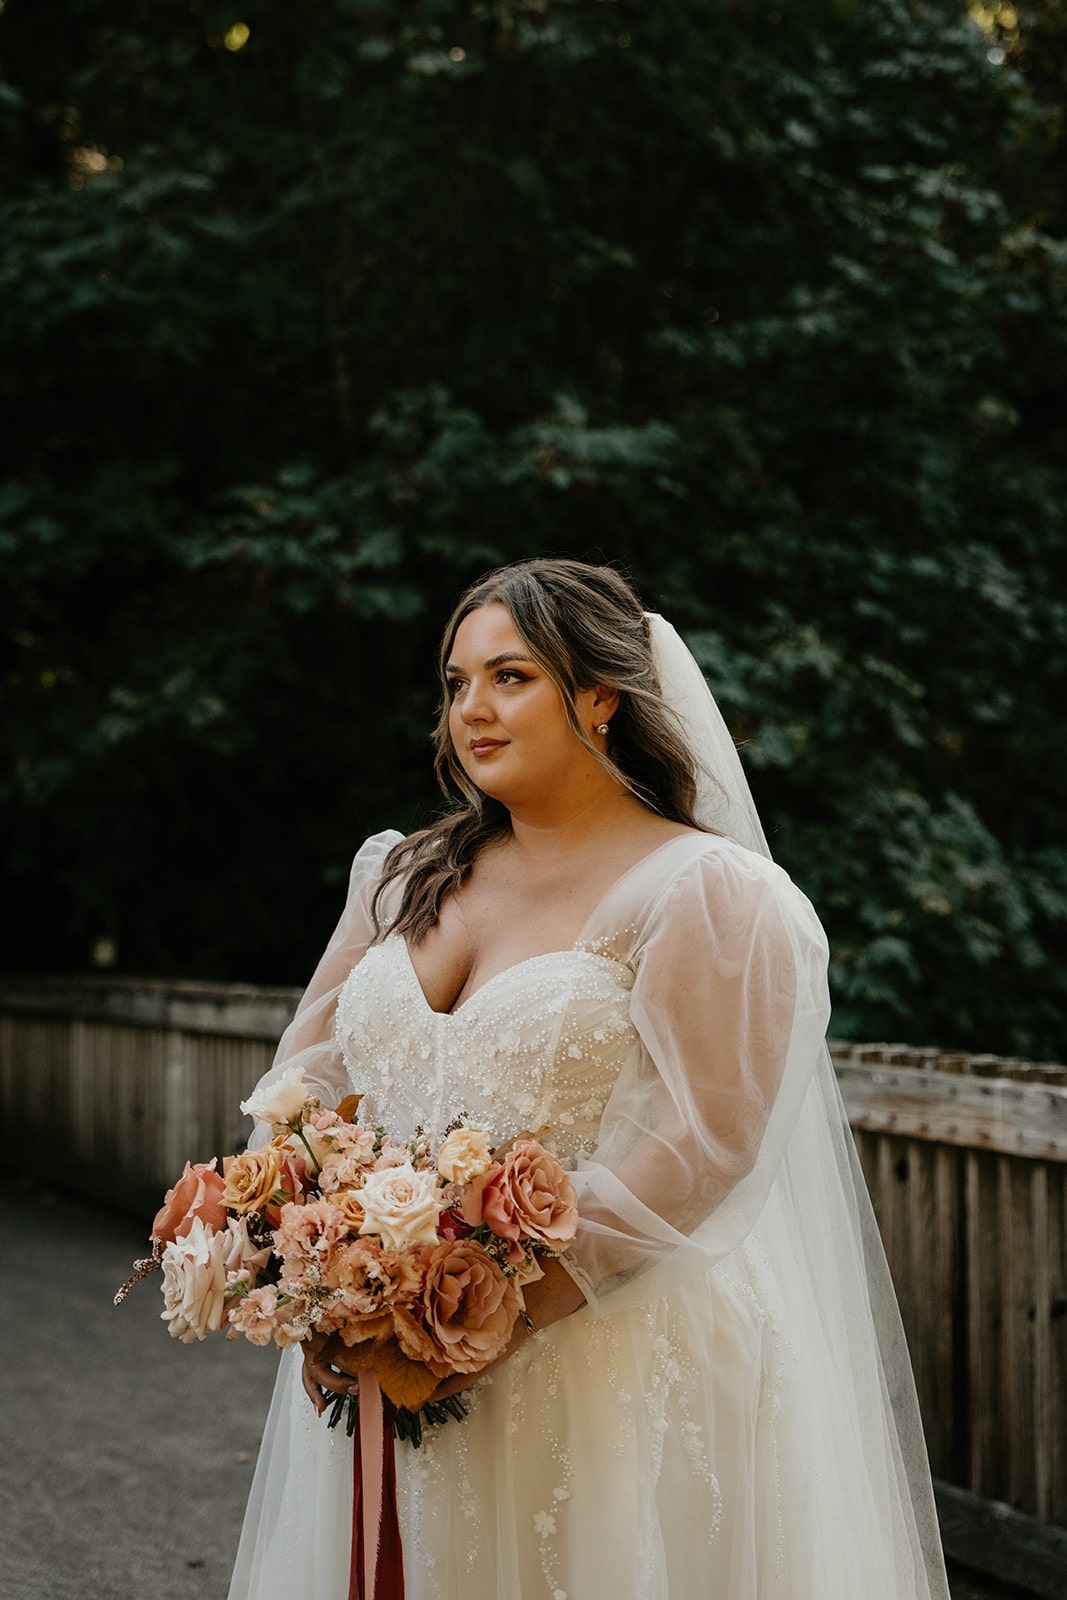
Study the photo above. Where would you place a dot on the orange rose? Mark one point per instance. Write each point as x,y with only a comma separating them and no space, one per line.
347,1203
531,1197
470,1308
253,1181
197,1193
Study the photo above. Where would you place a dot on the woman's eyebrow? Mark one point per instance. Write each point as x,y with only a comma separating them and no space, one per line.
494,661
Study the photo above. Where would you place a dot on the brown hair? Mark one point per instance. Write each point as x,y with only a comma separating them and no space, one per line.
585,627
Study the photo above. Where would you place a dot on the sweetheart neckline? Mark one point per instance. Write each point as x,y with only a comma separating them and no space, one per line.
563,950
505,972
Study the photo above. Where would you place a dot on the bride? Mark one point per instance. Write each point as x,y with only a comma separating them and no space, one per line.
712,1398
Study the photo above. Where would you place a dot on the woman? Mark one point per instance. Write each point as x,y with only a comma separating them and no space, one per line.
713,1398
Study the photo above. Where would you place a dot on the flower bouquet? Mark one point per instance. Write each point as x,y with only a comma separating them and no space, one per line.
408,1261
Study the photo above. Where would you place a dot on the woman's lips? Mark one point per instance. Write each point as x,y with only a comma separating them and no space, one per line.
486,747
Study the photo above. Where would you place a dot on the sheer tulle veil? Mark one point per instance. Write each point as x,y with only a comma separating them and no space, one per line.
817,1226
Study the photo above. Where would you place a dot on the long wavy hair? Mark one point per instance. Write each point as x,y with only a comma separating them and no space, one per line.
585,627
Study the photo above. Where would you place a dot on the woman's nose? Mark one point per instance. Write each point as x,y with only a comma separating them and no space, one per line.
473,705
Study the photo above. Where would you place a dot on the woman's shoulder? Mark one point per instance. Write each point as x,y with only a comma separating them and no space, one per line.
370,857
702,876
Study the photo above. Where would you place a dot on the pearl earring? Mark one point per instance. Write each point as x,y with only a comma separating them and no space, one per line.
602,728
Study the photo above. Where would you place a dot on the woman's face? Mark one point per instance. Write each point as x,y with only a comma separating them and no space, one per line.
507,721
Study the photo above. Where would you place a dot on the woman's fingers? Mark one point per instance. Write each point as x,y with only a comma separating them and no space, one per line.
312,1390
318,1375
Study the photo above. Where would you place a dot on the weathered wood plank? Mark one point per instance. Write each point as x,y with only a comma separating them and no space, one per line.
1002,1114
995,1538
221,1009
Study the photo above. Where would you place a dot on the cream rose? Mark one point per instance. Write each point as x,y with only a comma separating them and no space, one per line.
279,1102
401,1206
464,1155
194,1281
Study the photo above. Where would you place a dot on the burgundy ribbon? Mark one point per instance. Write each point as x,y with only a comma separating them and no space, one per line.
377,1571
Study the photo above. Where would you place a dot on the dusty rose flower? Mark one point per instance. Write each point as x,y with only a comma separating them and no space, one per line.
256,1314
401,1205
347,1138
239,1253
341,1170
531,1197
470,1205
279,1102
308,1233
194,1281
404,1273
392,1155
197,1193
355,1269
464,1155
470,1307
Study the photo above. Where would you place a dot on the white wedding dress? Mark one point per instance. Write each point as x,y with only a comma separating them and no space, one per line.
717,1423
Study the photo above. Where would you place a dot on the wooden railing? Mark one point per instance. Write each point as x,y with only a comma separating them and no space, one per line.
966,1158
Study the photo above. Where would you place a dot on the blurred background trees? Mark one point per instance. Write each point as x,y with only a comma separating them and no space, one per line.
312,315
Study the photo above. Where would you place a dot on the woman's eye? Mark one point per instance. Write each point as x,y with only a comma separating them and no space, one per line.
454,686
510,677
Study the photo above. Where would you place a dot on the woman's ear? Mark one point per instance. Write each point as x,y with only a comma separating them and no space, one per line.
605,703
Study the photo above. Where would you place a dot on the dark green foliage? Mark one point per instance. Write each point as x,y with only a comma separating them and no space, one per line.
765,303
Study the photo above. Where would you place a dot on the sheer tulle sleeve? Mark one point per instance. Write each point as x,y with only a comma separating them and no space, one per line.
308,1041
731,1005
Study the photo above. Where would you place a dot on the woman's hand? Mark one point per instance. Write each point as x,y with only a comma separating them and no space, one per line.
319,1375
554,1296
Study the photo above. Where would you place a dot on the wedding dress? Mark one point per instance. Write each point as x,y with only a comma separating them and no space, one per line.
719,1422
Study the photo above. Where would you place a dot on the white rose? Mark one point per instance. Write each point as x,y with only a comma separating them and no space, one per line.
464,1155
280,1101
401,1205
194,1281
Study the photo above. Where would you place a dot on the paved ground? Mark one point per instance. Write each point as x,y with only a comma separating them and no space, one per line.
126,1457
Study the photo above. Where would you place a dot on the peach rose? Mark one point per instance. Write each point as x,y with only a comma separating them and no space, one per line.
197,1193
531,1197
253,1181
470,1307
401,1205
347,1202
465,1154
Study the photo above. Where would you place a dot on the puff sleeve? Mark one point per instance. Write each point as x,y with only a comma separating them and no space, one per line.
308,1041
730,1005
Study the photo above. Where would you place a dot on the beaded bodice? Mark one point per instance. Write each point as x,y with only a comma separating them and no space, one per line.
541,1042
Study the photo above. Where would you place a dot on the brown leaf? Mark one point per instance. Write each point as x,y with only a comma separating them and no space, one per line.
348,1110
407,1383
360,1358
369,1329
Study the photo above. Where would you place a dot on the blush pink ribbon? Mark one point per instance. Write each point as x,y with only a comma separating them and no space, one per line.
377,1570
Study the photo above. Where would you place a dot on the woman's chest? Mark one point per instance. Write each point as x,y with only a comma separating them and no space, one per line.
540,1042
